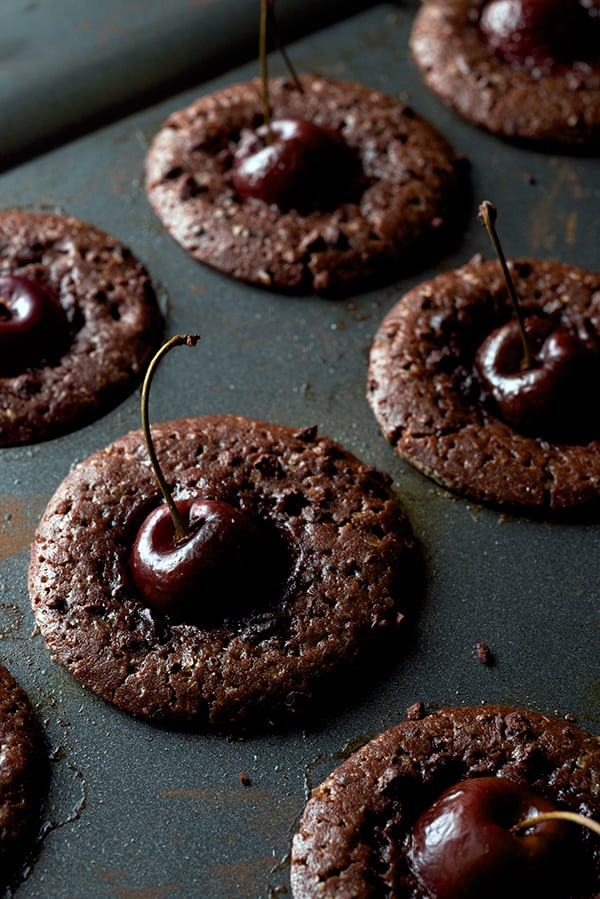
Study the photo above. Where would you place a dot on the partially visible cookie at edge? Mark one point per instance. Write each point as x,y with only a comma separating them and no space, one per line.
426,399
113,324
355,832
348,581
408,191
560,106
22,775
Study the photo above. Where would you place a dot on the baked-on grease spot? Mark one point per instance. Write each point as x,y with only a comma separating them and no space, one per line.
18,519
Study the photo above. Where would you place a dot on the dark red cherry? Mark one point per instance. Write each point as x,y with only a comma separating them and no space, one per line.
33,325
538,32
462,846
305,167
217,570
549,398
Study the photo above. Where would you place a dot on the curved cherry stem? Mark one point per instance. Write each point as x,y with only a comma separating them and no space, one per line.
178,340
488,214
268,21
559,816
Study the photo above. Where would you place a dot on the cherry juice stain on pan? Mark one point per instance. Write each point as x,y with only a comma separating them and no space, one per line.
18,519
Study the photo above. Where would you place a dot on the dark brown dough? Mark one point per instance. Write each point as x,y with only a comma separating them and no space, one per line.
347,584
467,74
22,774
425,399
410,189
114,320
352,838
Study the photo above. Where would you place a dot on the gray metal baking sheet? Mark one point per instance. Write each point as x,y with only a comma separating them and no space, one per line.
68,65
135,810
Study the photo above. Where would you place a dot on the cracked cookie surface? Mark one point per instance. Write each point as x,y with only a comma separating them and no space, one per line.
426,397
560,106
408,190
21,774
353,835
114,324
346,589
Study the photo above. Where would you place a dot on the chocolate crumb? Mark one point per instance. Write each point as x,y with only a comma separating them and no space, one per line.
484,654
415,712
244,779
308,434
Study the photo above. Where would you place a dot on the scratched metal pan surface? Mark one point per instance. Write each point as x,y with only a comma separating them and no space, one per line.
135,810
69,65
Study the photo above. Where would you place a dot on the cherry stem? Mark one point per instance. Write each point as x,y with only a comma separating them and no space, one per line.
488,214
559,816
268,21
264,71
281,47
179,340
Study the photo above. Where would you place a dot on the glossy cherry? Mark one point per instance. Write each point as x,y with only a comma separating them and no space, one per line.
33,325
215,571
540,33
201,559
535,374
548,398
463,846
303,166
291,163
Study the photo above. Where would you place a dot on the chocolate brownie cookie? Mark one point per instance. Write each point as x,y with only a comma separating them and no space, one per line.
355,834
560,103
22,769
405,190
105,323
248,660
426,395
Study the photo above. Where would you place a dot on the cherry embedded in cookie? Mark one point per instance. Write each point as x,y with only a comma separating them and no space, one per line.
33,325
538,33
302,166
199,559
212,572
536,374
291,162
465,846
547,398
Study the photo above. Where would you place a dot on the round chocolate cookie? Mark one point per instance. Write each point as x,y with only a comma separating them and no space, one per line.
22,770
385,214
80,319
355,836
558,103
343,567
427,397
